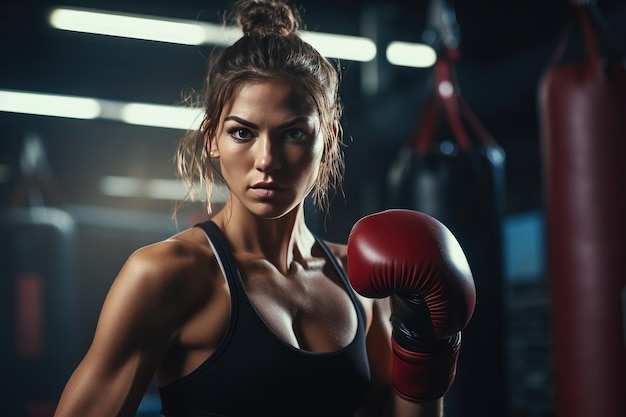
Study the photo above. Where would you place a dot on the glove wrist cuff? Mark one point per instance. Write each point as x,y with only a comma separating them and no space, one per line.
412,342
424,376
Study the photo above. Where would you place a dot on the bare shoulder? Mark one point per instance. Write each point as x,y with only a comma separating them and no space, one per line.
172,273
173,257
340,251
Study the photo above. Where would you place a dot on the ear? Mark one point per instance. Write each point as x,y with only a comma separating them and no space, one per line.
211,147
210,144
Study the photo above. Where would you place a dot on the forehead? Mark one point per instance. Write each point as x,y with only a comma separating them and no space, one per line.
273,94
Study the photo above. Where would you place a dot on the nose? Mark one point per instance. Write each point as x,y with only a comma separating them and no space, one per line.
267,156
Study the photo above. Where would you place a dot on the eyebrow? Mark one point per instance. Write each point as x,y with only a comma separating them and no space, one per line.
255,126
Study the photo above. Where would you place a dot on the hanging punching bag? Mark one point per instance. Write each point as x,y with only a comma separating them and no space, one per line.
42,338
583,118
460,181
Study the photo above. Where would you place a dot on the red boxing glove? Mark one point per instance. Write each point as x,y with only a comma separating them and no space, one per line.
415,259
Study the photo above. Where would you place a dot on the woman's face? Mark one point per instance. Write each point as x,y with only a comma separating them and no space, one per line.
269,145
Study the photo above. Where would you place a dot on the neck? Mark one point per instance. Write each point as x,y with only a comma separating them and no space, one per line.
279,241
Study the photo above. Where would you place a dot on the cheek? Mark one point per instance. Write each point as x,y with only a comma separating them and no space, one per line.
317,149
231,168
315,159
320,153
232,156
232,165
312,156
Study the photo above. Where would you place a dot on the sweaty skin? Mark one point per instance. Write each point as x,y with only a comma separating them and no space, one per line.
167,309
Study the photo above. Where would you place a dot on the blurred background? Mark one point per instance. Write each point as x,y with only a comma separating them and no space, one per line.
85,183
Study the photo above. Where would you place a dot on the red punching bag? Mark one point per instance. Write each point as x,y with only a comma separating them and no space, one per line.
583,120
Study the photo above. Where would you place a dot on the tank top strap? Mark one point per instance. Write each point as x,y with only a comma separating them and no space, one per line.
224,257
344,278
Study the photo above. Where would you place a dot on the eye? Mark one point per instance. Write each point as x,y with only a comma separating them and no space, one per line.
240,133
295,134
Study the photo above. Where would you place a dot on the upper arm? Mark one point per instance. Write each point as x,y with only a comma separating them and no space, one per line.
137,323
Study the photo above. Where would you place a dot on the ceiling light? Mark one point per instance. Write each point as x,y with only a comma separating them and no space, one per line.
145,114
189,32
121,186
416,55
160,115
127,26
159,189
352,48
49,105
162,189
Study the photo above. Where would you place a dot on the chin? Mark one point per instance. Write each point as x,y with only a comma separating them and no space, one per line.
272,212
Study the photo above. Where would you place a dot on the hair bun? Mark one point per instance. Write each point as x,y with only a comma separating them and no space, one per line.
267,17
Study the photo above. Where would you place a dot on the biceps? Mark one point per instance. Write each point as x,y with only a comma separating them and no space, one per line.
121,361
128,343
101,386
114,374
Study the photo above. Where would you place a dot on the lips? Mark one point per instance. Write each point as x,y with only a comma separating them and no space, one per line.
264,190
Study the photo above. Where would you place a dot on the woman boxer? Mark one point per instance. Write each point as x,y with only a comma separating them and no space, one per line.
249,313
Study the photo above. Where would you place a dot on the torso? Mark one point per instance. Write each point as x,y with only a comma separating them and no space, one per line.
256,341
308,307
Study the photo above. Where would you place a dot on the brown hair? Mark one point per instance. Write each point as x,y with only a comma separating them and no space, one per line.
270,48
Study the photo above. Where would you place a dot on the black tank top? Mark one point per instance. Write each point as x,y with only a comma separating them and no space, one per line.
253,372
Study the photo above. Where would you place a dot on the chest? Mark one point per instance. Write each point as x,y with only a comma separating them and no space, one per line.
304,313
292,347
308,308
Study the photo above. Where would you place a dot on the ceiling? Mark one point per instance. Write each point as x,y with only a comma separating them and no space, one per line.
504,48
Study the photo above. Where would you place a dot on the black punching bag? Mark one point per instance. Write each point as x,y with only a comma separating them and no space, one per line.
583,115
459,179
38,274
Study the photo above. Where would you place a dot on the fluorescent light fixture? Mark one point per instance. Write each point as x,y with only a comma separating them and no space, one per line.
145,114
160,115
221,35
407,54
189,32
127,26
352,48
49,105
159,189
121,186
